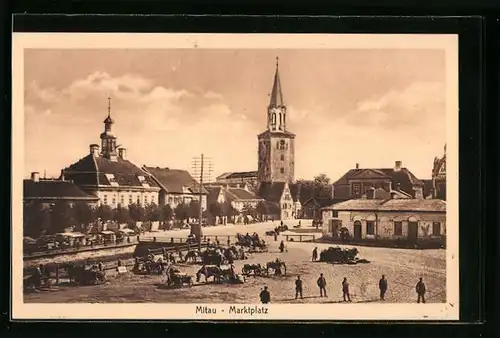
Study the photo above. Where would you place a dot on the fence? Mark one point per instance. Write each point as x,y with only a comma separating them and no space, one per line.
308,237
58,271
205,239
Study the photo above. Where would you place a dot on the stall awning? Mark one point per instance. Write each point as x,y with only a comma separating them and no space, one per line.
107,232
71,234
127,231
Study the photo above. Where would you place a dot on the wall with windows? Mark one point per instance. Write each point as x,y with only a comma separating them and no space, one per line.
389,225
175,199
125,198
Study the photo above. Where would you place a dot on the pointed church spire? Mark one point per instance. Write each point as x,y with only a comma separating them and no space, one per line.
276,94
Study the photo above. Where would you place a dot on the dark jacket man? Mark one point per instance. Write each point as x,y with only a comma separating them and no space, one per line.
345,290
382,285
322,285
420,288
298,287
315,255
265,296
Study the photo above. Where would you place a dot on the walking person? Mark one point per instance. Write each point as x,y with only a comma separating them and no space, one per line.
265,296
420,288
315,254
282,246
298,287
322,285
345,290
382,285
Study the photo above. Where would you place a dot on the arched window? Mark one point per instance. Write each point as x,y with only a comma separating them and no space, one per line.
273,119
282,157
282,145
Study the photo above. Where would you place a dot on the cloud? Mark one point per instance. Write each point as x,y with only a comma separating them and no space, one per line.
158,125
409,107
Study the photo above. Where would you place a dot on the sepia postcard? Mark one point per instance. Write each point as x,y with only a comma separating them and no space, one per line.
235,177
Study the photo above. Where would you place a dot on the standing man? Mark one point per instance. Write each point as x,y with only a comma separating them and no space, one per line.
315,254
345,290
275,235
298,287
382,285
322,285
420,288
265,297
282,246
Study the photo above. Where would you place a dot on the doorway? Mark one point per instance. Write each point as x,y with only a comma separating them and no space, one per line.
412,231
357,230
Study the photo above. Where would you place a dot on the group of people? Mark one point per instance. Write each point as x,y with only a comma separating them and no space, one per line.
420,289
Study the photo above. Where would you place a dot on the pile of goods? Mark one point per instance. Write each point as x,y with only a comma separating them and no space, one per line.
338,255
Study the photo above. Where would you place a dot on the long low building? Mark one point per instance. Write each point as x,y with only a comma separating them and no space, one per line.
398,219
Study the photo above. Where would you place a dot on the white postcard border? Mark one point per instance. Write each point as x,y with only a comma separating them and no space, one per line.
168,311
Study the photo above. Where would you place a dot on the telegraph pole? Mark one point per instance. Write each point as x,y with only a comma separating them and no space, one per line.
202,167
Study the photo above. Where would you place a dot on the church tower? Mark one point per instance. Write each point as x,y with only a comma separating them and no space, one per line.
276,144
108,139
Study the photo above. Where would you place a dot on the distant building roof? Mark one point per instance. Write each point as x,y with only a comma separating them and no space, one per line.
242,194
54,190
99,170
213,193
324,201
174,180
427,187
382,194
271,191
242,174
404,177
416,205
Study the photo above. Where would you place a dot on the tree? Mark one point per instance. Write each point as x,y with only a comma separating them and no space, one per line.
181,211
36,219
104,213
215,209
62,216
153,212
121,215
248,210
322,186
194,209
85,215
228,210
137,212
167,213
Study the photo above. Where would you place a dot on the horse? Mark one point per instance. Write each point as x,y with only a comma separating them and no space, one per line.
193,256
276,266
176,278
249,268
209,271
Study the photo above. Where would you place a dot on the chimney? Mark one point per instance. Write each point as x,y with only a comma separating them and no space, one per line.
94,150
122,152
398,165
35,176
370,193
357,165
62,175
332,195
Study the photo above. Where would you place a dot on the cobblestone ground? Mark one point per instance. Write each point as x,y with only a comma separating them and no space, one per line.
402,268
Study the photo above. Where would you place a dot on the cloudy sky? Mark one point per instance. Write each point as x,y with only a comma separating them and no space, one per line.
371,107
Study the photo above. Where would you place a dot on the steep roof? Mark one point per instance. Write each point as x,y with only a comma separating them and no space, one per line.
382,194
418,205
92,170
174,180
276,99
404,177
54,190
271,191
324,201
213,193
